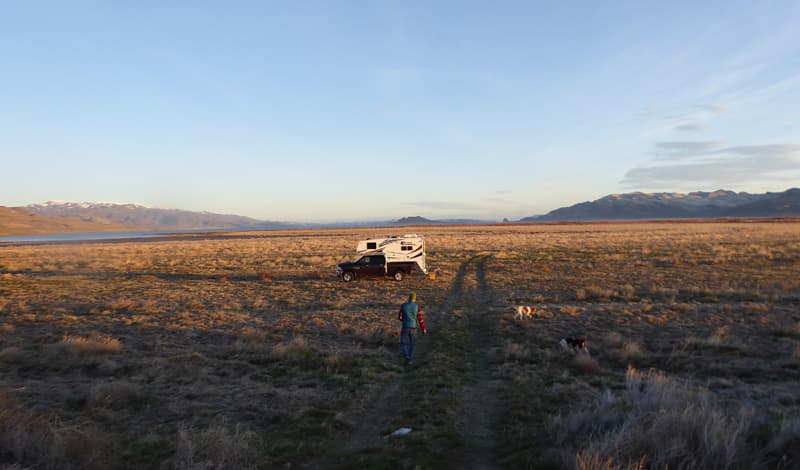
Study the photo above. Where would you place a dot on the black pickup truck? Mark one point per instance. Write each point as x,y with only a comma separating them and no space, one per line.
374,265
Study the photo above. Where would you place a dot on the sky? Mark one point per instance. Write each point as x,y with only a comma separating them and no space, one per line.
357,110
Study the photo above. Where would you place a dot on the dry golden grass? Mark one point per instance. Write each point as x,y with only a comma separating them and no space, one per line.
243,350
95,343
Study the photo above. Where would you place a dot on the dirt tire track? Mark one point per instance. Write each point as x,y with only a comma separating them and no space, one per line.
479,400
373,419
468,314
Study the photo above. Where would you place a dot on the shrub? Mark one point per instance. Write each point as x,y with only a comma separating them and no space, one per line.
614,339
585,363
631,350
783,449
216,447
720,336
515,351
114,394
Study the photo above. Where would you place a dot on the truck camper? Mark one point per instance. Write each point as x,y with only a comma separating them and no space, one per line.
392,255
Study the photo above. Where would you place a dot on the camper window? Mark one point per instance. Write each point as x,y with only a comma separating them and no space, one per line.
372,245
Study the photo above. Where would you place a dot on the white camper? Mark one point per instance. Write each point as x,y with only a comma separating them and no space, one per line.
410,247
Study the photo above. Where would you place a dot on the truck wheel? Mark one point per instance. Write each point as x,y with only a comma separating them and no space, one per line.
398,275
347,276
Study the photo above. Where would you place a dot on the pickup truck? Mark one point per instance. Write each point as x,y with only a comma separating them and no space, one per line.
374,265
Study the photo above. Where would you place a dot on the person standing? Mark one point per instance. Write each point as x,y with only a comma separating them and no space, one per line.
411,318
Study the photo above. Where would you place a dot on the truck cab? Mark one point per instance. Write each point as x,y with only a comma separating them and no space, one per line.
374,266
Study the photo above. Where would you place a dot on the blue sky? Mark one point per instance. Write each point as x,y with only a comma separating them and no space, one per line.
345,110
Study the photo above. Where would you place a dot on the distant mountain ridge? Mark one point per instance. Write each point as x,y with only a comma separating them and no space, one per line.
135,215
418,220
414,220
18,221
699,204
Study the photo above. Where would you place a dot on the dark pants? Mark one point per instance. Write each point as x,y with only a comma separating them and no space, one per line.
408,339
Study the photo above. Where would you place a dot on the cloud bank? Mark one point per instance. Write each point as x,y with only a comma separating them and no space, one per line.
708,163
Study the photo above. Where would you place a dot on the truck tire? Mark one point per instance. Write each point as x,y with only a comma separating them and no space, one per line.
398,275
348,276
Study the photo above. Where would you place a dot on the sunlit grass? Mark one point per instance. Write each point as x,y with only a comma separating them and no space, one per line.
163,347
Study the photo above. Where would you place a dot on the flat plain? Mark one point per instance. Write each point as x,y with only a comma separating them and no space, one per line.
243,350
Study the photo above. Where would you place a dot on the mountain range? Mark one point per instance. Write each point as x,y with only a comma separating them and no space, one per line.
418,220
63,217
138,216
699,204
18,221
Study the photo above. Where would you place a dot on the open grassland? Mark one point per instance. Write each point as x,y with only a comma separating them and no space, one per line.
245,351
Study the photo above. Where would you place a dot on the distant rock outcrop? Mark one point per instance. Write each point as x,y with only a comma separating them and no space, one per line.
414,220
638,206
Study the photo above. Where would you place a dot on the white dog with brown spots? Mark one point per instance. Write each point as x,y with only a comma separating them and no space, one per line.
523,311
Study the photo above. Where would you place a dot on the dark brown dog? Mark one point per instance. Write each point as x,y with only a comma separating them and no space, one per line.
576,344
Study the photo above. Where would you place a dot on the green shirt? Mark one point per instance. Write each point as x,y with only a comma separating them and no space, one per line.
409,312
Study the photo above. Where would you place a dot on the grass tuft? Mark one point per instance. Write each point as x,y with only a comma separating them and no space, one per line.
658,422
32,441
216,447
586,363
294,349
115,394
95,343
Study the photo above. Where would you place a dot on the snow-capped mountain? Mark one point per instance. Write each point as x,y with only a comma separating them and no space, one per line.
136,215
699,204
67,205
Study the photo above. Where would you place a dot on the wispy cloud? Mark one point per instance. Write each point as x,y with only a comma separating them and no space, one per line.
695,118
708,163
690,127
715,108
676,150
